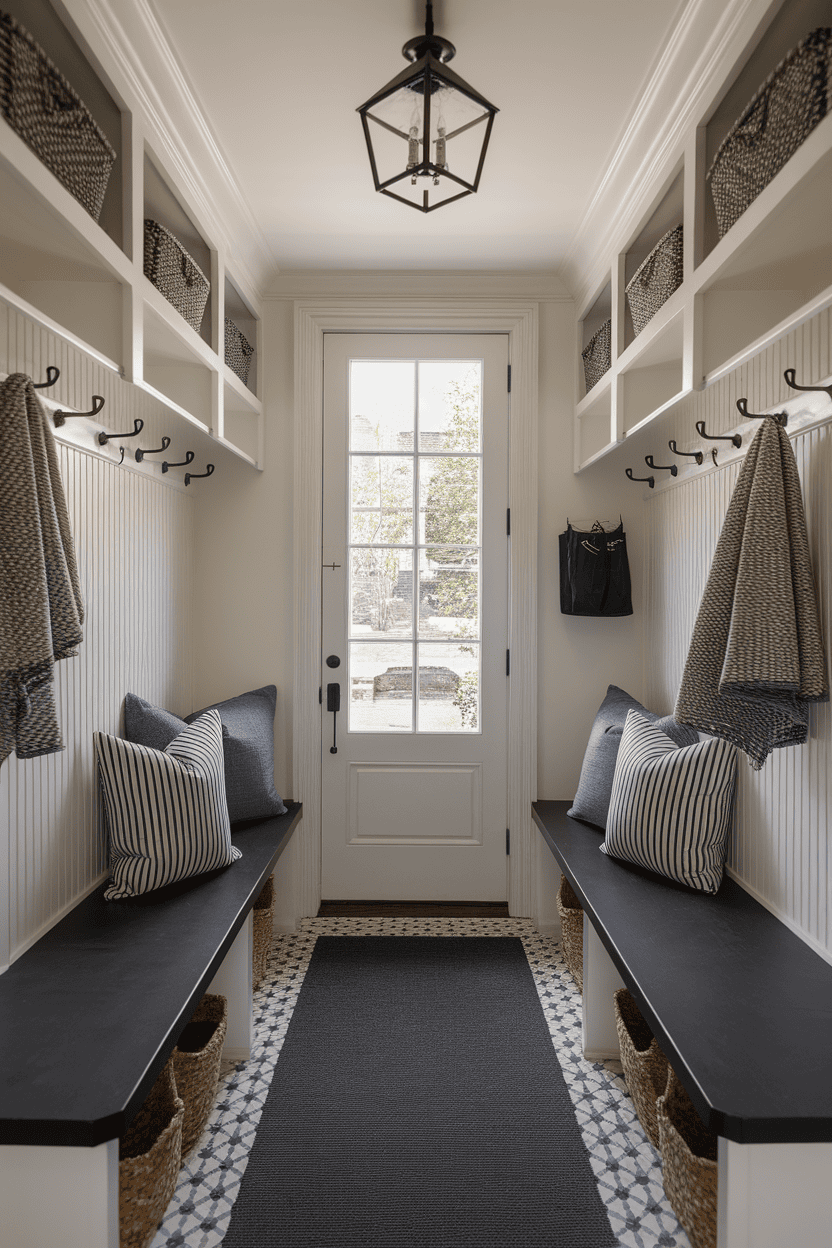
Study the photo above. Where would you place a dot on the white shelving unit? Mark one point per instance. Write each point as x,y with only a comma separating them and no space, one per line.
85,280
769,273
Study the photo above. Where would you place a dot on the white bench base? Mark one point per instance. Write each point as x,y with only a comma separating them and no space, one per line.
52,1197
770,1195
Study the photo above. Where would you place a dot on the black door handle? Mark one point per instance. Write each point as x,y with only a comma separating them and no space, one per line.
333,703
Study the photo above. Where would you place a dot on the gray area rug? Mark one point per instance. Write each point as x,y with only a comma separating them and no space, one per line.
418,1103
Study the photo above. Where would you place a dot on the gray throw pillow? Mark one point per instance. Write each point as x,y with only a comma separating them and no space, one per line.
592,801
247,739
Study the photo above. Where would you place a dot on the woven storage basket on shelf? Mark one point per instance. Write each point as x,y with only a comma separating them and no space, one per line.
645,1066
596,355
149,1159
785,109
571,930
656,278
689,1164
238,350
197,1069
40,105
176,274
262,939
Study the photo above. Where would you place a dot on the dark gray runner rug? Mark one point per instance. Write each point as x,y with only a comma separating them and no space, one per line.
418,1103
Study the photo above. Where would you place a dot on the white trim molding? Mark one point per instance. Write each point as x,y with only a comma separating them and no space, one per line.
519,320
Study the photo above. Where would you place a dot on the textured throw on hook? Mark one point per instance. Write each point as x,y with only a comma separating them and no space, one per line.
756,657
41,611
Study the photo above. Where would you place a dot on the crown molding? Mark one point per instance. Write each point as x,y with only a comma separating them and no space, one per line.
541,287
138,48
706,43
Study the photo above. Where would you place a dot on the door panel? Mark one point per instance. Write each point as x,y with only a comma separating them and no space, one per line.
415,608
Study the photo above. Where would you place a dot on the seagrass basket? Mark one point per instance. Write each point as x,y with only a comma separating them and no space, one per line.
571,916
645,1066
238,350
656,278
263,913
41,106
196,1063
596,355
149,1158
780,116
174,273
689,1164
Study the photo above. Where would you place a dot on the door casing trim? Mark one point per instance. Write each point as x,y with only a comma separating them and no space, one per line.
519,320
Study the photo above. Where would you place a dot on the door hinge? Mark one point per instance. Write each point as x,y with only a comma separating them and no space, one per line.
508,522
508,840
509,379
508,662
320,696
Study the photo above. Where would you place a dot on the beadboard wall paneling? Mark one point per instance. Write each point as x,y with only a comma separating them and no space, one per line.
133,535
780,851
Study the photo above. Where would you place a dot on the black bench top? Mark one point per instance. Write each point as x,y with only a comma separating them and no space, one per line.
90,1014
741,1006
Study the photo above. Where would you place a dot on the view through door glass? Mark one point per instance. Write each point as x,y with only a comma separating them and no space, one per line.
414,584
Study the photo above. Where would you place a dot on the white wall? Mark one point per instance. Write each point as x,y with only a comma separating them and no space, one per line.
133,539
780,846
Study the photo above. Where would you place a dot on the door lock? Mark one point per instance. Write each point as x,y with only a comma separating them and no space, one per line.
333,703
332,660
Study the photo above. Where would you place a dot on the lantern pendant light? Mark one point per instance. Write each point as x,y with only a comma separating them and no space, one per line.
427,131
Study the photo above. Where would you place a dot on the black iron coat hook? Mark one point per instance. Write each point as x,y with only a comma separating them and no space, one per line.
189,476
189,458
742,406
52,375
104,438
697,455
651,481
671,468
790,375
717,437
97,404
157,450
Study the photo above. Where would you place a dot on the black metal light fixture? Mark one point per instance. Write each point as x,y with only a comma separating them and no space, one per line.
427,131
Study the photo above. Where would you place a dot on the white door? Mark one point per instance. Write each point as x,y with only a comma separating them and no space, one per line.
415,594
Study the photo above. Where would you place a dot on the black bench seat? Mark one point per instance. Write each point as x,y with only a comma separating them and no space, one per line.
741,1006
90,1014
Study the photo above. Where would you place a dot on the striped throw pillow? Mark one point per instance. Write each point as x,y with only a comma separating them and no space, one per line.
166,809
671,807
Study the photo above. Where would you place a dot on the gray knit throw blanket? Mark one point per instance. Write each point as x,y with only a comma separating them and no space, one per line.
40,596
756,655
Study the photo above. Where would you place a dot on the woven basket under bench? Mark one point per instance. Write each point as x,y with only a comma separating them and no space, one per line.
41,106
571,917
150,1154
196,1063
263,912
689,1163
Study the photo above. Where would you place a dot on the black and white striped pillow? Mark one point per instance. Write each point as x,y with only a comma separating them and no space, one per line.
671,807
166,809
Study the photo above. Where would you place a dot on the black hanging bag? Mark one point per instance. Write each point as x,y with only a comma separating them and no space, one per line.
594,572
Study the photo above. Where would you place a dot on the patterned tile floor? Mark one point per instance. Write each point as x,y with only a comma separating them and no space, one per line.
626,1165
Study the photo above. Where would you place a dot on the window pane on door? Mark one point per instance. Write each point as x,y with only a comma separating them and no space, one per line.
381,687
449,498
450,405
381,499
381,592
449,688
382,405
449,592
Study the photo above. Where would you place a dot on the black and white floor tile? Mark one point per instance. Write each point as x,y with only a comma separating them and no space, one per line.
626,1166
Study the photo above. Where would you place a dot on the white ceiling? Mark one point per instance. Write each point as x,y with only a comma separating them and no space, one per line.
279,82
